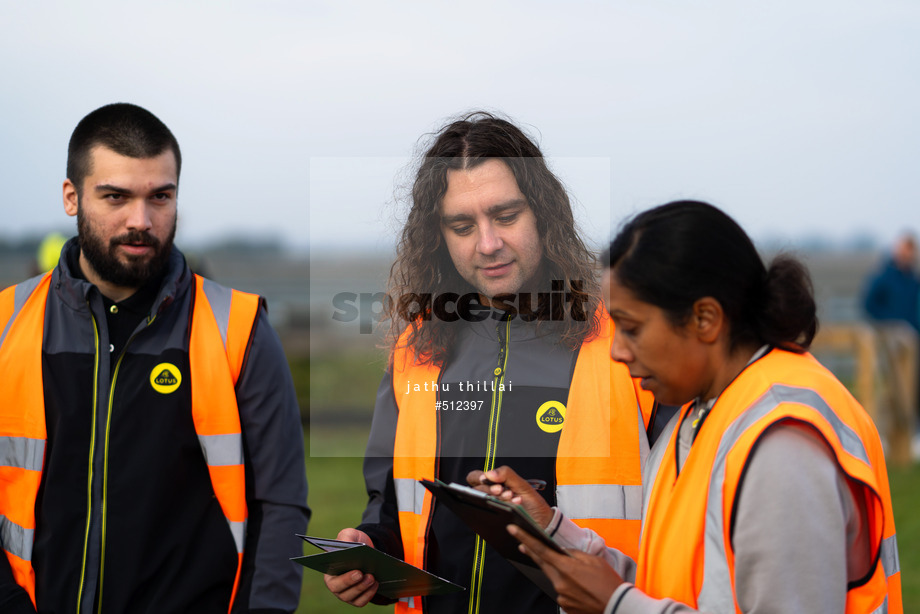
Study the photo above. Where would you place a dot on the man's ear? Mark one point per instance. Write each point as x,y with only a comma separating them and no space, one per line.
71,200
708,320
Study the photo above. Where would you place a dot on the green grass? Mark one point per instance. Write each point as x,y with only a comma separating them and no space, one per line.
337,499
337,391
905,498
339,440
338,380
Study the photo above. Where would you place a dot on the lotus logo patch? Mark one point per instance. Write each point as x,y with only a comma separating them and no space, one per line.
551,416
165,378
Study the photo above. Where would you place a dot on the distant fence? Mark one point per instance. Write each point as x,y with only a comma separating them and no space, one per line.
885,374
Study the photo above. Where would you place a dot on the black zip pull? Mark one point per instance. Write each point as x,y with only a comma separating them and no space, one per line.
502,346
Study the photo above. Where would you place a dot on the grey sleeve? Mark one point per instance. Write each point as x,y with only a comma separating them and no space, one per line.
571,536
799,532
381,517
276,480
627,599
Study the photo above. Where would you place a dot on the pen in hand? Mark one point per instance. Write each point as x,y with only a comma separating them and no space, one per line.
534,483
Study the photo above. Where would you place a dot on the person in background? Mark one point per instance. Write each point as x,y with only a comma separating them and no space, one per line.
498,355
149,431
48,253
894,292
768,492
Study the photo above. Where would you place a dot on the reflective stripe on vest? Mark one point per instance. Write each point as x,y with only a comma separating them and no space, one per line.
889,556
598,465
882,609
17,297
716,592
613,501
27,455
696,542
214,373
414,451
22,453
214,370
602,446
410,495
22,421
16,539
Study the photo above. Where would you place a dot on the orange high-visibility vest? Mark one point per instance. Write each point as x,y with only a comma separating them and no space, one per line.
598,461
222,322
686,552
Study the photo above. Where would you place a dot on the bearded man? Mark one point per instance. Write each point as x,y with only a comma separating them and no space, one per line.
136,406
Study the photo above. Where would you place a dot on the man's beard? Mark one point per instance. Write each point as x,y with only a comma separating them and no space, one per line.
104,258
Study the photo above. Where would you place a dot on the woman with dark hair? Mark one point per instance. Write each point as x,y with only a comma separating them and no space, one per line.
768,491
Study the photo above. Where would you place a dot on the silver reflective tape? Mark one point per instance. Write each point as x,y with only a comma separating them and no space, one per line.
16,539
716,593
6,328
24,291
609,501
20,295
882,609
409,601
222,450
848,437
239,534
220,298
410,495
22,453
888,555
653,462
643,438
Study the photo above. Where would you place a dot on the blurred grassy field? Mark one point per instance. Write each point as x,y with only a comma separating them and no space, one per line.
905,497
337,498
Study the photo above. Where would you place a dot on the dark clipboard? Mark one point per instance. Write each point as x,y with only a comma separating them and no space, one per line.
395,577
489,516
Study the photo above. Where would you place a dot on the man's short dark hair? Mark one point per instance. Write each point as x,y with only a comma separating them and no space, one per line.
126,129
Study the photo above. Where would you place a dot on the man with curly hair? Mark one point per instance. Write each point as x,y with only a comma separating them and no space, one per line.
499,355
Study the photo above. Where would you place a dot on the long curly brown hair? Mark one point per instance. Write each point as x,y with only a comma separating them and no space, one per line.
423,266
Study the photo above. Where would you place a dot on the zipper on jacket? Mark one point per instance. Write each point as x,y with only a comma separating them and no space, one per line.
105,481
105,472
498,380
92,447
105,462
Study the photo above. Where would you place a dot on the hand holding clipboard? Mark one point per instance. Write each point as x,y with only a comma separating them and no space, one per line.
395,577
489,516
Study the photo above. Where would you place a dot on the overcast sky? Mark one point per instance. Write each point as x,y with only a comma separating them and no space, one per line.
797,117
